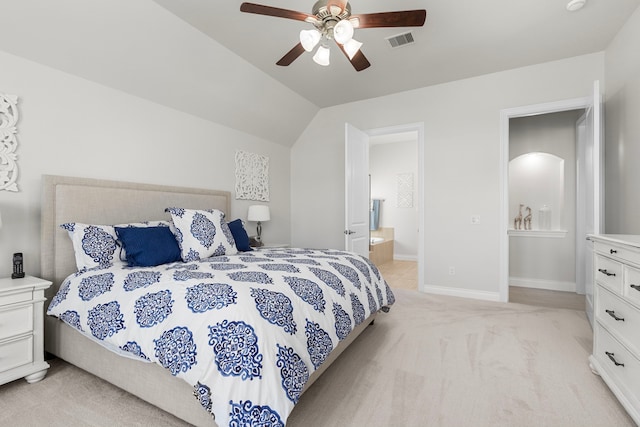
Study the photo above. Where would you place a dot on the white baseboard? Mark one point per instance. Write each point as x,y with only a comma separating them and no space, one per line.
463,293
400,257
553,285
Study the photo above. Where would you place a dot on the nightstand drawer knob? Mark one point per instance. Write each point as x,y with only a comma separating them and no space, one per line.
613,251
636,287
613,314
613,359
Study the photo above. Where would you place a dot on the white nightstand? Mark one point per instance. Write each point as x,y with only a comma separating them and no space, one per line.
22,329
274,245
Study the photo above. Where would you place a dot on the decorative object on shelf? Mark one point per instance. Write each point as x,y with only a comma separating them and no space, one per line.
405,190
544,218
252,176
527,219
258,213
517,221
8,142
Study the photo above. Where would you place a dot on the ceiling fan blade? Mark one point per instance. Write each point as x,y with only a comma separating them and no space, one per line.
275,11
359,61
406,18
291,56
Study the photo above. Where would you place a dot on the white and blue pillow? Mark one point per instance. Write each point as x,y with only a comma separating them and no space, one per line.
202,233
97,245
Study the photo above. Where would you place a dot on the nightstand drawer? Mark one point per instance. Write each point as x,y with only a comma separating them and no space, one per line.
16,321
620,318
16,353
609,273
15,297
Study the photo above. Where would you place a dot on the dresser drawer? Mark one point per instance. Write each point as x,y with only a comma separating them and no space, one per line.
619,317
609,273
15,321
625,254
16,353
618,362
631,287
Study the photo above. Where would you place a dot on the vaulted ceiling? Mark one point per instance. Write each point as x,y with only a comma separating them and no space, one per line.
208,59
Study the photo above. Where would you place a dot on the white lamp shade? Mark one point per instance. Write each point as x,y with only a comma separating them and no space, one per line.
258,213
343,31
309,39
322,56
352,47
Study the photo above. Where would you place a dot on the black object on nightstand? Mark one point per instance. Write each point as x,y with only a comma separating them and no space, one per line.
18,272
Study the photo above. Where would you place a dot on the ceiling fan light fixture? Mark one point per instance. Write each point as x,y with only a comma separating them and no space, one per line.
343,31
322,56
309,39
575,5
352,47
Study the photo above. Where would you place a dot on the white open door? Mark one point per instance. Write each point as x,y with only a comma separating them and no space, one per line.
590,194
357,191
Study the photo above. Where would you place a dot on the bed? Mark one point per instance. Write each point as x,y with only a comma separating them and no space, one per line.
253,276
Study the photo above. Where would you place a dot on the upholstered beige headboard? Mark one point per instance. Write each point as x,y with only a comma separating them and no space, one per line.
93,201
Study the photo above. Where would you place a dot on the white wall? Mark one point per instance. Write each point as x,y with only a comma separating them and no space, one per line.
70,126
461,165
622,130
386,161
544,261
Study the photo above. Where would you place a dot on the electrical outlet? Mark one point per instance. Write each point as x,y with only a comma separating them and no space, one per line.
452,271
475,219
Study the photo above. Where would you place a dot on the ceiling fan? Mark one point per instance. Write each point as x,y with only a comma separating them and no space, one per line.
333,20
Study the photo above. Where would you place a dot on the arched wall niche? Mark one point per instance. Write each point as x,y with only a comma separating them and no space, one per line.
536,181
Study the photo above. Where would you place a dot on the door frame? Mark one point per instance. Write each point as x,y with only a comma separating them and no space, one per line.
503,223
419,128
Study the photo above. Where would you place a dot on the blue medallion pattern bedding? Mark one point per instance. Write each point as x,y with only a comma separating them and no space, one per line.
245,330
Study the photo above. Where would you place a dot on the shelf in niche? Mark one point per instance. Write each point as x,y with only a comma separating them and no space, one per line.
555,234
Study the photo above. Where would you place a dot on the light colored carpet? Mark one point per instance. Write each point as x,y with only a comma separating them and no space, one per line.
432,361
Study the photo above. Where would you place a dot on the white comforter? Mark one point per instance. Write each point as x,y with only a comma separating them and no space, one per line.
245,331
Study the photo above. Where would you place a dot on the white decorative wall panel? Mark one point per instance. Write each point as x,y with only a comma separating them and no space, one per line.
405,190
8,142
252,176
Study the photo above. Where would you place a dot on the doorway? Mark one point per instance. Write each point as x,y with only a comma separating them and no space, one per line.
589,191
393,171
413,196
542,205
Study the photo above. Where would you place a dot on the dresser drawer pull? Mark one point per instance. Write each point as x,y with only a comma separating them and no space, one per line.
612,313
613,359
613,251
605,272
636,287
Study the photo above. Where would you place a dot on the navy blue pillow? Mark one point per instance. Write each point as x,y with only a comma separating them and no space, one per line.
240,235
148,246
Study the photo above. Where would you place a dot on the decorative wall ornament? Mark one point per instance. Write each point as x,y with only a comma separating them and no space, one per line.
8,142
405,190
252,176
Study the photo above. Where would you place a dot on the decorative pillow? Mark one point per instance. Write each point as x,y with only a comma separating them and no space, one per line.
202,233
148,246
96,245
240,235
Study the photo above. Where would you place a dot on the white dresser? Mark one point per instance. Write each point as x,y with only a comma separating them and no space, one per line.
22,329
616,329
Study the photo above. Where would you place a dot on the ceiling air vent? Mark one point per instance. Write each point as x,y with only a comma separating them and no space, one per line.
401,40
